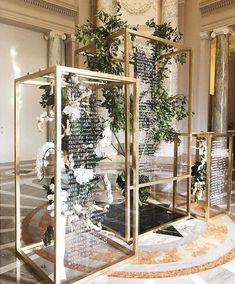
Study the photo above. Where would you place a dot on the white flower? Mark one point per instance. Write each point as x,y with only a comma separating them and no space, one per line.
107,137
52,187
90,225
78,208
64,195
83,175
106,208
43,152
50,197
75,80
68,161
50,207
44,118
72,111
108,188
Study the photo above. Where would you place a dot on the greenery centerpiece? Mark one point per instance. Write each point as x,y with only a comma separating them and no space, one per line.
164,110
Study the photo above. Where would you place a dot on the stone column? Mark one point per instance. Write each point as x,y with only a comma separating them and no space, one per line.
201,110
109,6
170,13
56,48
220,99
70,46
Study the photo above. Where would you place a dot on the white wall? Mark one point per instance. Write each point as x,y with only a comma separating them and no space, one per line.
192,28
21,51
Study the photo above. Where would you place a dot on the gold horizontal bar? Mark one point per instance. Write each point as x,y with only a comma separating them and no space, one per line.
99,271
118,33
97,75
31,246
36,83
36,268
92,44
85,47
36,75
173,53
110,85
79,72
183,134
165,180
160,227
178,45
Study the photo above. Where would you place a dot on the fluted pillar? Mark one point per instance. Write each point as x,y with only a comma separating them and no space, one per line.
56,48
201,105
170,12
70,46
220,100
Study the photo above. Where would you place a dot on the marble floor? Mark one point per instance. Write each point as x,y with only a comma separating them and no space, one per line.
197,253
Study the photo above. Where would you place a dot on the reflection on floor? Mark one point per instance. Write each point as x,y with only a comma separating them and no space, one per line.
189,252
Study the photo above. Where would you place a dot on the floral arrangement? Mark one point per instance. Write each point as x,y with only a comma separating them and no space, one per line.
82,124
198,172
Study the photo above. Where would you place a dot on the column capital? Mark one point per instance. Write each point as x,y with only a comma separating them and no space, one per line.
70,38
205,35
222,31
53,34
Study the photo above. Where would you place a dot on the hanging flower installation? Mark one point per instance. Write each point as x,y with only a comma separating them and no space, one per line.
83,131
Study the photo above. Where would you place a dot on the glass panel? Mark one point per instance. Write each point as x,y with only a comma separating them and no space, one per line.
181,192
158,210
219,174
90,232
36,172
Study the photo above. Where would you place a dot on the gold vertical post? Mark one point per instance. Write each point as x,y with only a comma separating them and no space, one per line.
135,166
58,245
230,172
17,165
175,170
197,149
127,139
190,131
208,178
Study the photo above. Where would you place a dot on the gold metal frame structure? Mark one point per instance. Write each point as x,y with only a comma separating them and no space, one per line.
55,73
126,34
209,136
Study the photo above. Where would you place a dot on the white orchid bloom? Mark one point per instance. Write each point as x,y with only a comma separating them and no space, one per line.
107,137
72,111
78,208
43,152
83,175
44,118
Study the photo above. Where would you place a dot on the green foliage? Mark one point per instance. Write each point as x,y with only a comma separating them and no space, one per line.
198,172
144,192
115,106
106,49
48,236
165,31
48,97
165,110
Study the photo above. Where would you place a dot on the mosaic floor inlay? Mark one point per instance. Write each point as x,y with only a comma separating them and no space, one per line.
191,251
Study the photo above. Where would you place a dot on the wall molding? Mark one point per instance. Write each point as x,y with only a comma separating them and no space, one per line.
55,6
31,15
210,6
